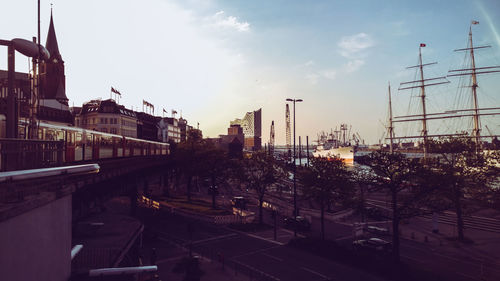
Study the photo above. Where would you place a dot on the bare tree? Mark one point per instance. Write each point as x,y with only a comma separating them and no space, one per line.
465,176
410,185
260,172
327,182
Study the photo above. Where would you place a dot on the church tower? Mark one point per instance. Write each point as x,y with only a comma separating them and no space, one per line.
52,78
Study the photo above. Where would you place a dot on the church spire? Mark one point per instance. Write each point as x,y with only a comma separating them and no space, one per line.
52,78
51,43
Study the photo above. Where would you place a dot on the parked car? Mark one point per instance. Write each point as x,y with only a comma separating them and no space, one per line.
373,212
377,230
239,202
301,223
374,244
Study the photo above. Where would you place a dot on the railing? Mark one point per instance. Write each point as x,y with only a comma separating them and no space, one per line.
21,154
15,186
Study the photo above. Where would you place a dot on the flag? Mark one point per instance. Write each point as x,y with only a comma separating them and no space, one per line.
174,112
115,91
422,45
474,22
164,111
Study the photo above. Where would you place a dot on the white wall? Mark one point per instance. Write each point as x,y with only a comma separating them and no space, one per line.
37,244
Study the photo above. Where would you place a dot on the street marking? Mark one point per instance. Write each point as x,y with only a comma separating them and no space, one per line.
214,238
291,232
272,257
254,252
315,272
344,238
467,276
265,239
412,259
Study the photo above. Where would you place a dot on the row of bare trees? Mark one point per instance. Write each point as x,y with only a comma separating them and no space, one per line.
455,177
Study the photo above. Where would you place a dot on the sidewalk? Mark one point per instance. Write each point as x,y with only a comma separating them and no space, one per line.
485,246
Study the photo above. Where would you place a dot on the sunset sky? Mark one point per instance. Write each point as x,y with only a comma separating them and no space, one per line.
215,60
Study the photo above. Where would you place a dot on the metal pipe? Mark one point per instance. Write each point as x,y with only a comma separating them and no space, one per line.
76,249
122,270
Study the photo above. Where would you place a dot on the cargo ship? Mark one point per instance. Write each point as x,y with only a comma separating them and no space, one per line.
337,144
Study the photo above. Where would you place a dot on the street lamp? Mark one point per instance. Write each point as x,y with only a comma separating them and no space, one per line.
29,49
295,209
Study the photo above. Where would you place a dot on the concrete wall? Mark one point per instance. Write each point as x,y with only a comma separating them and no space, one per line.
37,244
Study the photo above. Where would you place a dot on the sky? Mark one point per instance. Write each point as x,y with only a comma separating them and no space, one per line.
215,60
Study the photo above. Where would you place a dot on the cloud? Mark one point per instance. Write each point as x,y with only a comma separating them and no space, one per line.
221,20
329,74
309,63
312,78
354,46
353,65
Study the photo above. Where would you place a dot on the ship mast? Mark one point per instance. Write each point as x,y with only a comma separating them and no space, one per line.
473,71
422,96
391,128
422,84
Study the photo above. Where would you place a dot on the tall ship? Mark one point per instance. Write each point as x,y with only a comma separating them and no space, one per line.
338,144
466,106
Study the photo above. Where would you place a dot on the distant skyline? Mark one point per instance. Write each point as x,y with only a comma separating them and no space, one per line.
216,60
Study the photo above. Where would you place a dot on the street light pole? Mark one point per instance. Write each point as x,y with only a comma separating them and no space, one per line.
295,209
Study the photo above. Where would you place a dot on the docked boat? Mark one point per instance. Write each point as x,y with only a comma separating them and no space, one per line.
337,144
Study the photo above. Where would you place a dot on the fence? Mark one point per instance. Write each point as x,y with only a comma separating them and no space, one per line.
20,154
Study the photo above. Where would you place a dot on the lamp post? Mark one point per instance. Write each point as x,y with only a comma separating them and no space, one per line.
295,210
29,49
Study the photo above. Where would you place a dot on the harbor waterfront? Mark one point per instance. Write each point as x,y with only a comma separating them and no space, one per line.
250,140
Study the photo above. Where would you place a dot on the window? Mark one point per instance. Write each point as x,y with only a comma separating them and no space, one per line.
112,130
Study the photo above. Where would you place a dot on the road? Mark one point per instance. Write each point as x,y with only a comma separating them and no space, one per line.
454,260
277,261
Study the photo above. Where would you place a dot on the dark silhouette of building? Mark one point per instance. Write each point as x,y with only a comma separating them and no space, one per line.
184,128
53,102
147,126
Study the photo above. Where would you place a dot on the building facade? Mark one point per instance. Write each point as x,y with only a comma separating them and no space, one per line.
147,126
108,117
169,130
252,129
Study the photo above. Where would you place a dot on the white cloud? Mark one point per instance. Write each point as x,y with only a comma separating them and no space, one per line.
309,63
329,74
312,78
221,20
354,46
353,65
